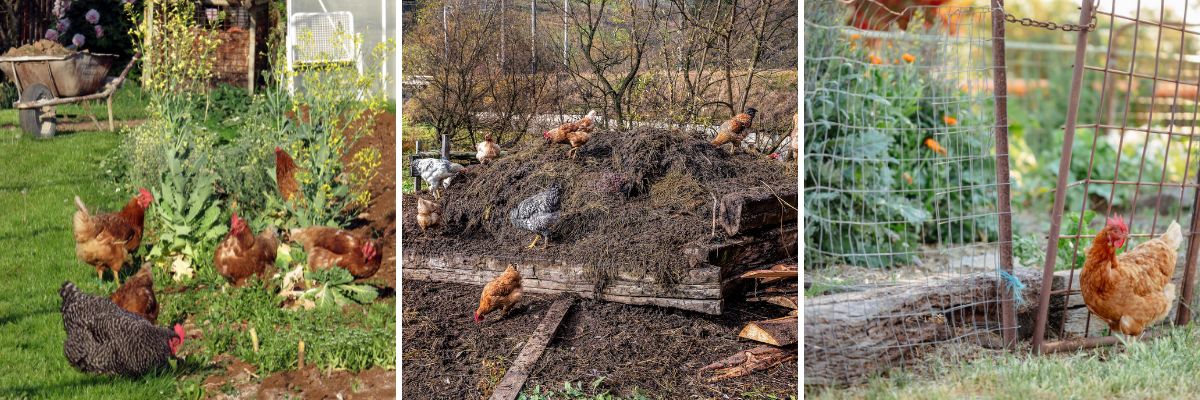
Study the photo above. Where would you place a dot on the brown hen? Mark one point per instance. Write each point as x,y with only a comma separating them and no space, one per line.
575,133
328,247
242,254
735,129
1130,291
501,293
285,174
104,241
137,295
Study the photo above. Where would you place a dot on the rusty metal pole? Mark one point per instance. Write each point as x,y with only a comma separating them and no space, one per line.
1060,191
1183,314
1008,318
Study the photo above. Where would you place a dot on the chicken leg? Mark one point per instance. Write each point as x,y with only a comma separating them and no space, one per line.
535,240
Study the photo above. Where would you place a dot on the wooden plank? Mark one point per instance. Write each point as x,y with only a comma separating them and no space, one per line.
775,332
768,273
510,386
707,306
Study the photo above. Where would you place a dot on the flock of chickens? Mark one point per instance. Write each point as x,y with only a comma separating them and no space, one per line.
538,213
119,334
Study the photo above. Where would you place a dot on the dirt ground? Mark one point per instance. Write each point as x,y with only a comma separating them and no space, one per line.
655,351
238,380
381,215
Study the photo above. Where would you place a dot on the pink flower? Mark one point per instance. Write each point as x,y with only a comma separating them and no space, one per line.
99,31
77,40
64,24
52,35
92,16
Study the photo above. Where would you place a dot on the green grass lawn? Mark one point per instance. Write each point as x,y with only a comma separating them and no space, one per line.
36,187
1165,368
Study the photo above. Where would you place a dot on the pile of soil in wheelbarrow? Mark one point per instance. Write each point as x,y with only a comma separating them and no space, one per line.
39,48
381,213
652,350
631,202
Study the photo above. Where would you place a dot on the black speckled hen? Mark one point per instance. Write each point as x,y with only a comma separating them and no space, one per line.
104,339
538,213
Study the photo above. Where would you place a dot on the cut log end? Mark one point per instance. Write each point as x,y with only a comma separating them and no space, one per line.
775,332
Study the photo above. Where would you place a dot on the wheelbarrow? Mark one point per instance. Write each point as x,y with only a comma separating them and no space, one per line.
46,81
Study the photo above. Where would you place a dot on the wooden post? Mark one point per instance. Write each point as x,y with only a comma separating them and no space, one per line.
252,47
445,147
412,169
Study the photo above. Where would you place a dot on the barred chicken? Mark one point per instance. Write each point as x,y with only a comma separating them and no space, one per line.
331,247
242,254
1133,290
429,214
538,213
575,133
104,339
104,241
437,173
735,130
487,150
137,295
501,293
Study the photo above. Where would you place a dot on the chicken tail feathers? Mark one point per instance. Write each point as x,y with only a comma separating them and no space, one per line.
1173,236
82,225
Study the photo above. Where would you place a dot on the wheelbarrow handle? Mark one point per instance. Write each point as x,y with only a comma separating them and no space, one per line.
136,56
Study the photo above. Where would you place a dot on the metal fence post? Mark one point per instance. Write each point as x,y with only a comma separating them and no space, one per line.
1008,318
1183,314
1060,191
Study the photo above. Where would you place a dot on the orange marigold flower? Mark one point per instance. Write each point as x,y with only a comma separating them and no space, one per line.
935,146
909,58
950,120
855,36
876,60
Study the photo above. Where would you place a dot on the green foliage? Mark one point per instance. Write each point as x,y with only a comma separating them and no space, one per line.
875,191
187,214
335,288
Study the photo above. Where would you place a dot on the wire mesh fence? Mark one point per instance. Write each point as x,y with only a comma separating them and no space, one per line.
902,221
1131,152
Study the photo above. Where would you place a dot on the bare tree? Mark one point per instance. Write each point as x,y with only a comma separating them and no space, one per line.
450,48
610,55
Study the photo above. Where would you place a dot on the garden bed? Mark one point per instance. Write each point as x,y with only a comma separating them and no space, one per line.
648,350
648,217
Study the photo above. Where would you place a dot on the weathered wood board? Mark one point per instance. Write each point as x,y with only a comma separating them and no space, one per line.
850,336
699,290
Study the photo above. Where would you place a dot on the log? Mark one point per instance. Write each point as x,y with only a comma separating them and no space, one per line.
746,362
756,209
850,336
512,382
775,332
791,302
736,255
778,271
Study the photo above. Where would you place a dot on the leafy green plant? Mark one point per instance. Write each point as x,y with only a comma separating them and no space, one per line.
187,214
335,288
876,188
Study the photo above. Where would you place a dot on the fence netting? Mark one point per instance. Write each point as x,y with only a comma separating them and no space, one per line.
901,214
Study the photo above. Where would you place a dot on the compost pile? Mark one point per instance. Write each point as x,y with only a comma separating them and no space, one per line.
632,201
39,48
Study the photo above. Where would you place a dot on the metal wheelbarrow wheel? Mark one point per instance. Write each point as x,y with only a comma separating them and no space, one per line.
31,118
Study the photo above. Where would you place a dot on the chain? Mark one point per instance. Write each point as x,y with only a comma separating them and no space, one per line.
1051,25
